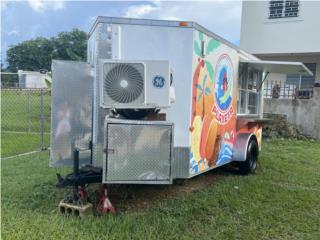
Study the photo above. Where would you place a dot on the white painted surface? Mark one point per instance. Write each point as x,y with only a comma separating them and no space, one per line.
260,35
30,79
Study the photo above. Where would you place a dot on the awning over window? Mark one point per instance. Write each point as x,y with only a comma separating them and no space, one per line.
279,67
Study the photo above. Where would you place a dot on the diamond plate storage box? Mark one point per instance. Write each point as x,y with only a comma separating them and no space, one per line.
138,151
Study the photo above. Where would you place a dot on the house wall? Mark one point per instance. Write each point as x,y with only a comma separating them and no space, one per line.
303,113
285,35
286,39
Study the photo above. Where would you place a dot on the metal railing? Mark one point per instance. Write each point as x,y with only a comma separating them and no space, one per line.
25,119
281,90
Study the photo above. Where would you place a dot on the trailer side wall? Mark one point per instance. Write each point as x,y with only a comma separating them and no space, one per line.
143,42
214,103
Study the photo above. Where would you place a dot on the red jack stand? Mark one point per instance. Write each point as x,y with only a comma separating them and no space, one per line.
105,205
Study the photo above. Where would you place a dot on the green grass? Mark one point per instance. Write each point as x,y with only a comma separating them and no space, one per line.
20,110
13,143
20,121
281,201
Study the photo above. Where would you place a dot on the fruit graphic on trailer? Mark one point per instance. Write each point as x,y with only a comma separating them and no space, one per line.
203,46
196,138
204,134
194,91
202,99
212,146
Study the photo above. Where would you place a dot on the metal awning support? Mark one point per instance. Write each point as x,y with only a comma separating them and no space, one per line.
279,67
265,77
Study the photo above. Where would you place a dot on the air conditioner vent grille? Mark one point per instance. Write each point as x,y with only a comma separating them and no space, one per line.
124,82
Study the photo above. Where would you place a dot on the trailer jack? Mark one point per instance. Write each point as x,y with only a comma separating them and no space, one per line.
105,204
76,202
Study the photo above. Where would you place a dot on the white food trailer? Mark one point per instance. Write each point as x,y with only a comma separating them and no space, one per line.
157,101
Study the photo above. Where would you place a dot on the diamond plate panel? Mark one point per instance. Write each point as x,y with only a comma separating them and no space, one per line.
138,152
180,166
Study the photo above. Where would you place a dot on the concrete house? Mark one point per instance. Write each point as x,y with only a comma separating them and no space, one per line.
284,30
287,30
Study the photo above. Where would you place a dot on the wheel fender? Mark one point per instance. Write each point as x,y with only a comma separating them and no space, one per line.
241,145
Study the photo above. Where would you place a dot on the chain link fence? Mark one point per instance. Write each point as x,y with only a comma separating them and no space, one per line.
25,119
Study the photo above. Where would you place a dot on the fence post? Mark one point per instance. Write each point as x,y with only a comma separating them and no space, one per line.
42,119
29,111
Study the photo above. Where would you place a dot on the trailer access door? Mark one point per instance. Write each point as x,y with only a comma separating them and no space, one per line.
138,152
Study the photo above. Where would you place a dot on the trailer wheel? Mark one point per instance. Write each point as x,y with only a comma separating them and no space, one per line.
250,164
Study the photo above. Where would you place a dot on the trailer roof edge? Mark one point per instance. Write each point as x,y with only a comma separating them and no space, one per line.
166,23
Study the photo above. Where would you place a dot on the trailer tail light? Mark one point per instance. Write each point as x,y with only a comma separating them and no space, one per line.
184,24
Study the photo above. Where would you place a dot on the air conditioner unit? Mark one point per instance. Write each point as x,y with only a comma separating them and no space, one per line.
134,84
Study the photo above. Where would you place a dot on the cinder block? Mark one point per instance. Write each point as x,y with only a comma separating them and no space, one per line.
75,210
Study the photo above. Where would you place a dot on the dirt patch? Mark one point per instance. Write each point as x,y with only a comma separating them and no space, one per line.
135,197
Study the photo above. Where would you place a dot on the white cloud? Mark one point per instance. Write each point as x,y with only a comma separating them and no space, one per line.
13,33
138,11
221,17
42,5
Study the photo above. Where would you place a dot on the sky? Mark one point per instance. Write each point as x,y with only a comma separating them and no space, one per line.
24,20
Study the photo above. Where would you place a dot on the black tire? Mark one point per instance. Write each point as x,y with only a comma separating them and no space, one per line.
250,164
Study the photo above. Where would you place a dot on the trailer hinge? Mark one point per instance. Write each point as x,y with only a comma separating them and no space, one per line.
109,151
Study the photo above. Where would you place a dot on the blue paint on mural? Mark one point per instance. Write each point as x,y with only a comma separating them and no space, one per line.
225,154
223,96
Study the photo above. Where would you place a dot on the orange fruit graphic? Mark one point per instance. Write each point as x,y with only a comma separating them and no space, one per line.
196,138
202,91
204,134
194,91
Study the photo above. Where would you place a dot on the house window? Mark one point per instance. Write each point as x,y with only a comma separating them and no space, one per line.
248,90
283,8
303,82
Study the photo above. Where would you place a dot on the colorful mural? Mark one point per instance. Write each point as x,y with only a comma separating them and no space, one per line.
223,90
213,105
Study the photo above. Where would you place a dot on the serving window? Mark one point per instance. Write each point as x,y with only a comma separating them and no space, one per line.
249,82
252,73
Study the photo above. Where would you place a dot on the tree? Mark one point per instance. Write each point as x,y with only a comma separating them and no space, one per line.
38,53
30,55
70,46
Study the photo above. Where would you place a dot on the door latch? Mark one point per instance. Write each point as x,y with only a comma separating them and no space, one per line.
109,151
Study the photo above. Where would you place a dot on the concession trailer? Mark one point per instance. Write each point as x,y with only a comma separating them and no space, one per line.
156,101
